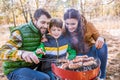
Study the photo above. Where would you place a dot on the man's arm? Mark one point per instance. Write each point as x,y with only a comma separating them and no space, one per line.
10,51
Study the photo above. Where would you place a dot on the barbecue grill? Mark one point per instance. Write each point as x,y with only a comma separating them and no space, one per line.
87,74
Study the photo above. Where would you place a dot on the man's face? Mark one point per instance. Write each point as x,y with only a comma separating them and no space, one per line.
42,23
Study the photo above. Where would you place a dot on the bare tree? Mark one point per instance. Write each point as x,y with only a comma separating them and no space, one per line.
13,14
81,6
37,3
24,12
6,9
29,10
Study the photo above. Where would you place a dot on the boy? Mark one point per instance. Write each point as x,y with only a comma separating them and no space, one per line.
56,46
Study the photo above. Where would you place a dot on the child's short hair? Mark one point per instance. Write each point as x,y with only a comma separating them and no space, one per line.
56,22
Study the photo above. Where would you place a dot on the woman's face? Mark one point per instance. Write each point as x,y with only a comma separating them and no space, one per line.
71,24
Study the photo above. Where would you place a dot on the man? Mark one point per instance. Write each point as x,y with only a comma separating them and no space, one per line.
17,53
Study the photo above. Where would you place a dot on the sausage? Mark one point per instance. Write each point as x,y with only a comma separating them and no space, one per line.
85,56
88,59
64,65
63,60
88,63
75,65
77,60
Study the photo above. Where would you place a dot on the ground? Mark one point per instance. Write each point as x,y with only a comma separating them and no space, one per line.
113,42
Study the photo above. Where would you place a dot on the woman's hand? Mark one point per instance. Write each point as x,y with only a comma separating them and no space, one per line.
99,43
30,57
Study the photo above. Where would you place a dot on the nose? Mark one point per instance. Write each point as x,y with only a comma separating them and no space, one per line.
69,26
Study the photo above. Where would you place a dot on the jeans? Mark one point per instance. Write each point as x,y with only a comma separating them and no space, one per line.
102,54
52,76
27,74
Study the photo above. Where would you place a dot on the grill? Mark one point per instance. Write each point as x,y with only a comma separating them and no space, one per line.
84,73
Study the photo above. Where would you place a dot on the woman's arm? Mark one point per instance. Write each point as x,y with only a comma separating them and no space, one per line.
99,41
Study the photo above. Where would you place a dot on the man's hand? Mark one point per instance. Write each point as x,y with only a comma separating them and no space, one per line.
99,43
30,57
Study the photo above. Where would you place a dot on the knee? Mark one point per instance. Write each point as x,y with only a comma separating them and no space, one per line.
44,77
21,70
24,69
104,45
103,50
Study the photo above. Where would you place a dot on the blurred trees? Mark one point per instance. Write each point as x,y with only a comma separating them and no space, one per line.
21,11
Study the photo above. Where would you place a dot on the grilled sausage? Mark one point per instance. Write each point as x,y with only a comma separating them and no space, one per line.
89,63
88,59
63,60
75,65
64,65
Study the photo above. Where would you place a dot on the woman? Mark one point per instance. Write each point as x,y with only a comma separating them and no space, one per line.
85,39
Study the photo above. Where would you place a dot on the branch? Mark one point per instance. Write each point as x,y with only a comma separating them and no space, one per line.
107,2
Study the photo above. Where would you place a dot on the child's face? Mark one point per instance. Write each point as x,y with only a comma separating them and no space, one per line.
56,32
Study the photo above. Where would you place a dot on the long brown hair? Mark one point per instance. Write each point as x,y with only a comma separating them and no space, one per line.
73,13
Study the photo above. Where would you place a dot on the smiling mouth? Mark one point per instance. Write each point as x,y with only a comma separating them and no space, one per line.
71,29
56,35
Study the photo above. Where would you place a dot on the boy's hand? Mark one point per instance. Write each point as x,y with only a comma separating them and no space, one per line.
70,57
39,51
44,40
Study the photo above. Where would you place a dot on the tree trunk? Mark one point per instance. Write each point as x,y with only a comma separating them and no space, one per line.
13,15
24,13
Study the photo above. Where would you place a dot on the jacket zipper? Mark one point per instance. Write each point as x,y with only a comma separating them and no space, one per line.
57,48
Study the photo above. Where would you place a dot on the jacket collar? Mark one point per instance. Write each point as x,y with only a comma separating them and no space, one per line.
33,27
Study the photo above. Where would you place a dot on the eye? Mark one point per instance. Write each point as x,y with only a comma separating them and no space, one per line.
59,29
73,23
53,29
67,24
43,22
48,23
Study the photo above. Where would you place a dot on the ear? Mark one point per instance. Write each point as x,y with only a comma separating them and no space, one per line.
49,30
35,22
63,29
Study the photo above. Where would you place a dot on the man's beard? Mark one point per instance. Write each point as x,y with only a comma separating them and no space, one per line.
43,30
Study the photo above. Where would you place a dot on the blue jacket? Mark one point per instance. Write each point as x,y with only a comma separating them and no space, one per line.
56,49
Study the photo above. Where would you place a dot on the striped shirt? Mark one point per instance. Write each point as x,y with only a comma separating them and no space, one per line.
10,51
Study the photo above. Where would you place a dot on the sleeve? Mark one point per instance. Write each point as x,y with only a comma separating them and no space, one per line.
41,46
94,31
71,53
9,51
